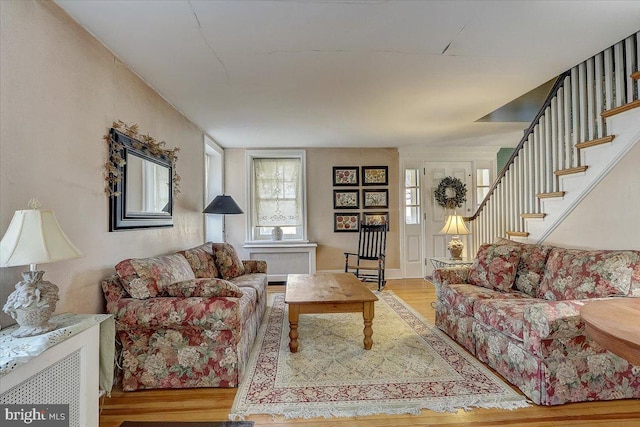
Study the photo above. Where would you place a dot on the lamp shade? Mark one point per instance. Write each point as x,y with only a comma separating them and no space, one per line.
224,205
35,237
455,225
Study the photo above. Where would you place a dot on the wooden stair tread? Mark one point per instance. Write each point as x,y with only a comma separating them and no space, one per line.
570,171
621,109
550,195
517,234
594,142
533,215
636,75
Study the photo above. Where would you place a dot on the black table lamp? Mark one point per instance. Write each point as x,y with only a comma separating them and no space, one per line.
223,205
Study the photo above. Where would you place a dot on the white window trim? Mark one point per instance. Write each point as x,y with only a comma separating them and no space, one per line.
274,154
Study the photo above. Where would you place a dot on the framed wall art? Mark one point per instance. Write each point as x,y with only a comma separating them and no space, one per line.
375,175
346,199
376,218
346,222
375,199
346,175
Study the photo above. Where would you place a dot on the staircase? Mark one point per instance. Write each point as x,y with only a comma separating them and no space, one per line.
589,121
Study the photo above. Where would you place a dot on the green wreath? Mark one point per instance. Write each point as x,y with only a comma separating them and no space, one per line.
451,193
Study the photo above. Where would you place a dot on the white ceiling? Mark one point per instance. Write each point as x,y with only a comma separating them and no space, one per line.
352,73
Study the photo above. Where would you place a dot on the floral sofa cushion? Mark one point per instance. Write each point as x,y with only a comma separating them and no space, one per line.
207,288
531,268
579,274
201,261
504,315
227,261
147,277
495,267
462,296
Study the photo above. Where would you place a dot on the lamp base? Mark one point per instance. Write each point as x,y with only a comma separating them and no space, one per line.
32,304
455,247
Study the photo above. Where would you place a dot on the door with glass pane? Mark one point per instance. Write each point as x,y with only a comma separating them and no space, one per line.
435,215
412,259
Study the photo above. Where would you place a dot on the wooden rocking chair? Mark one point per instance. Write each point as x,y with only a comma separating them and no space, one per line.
370,259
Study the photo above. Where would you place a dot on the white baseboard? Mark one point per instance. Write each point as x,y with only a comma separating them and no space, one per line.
394,273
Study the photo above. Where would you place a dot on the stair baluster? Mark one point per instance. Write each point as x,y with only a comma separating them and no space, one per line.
573,118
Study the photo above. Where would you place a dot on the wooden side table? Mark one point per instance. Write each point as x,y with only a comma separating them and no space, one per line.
613,324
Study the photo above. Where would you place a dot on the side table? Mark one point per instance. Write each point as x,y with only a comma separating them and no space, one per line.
445,262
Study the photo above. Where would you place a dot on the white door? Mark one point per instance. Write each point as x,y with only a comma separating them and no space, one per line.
435,215
411,215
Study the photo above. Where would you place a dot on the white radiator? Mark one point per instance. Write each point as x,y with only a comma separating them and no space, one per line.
285,258
57,384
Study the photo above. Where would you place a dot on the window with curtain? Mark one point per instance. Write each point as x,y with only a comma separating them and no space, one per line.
277,195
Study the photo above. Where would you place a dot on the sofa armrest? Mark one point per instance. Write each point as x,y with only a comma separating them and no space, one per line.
254,266
220,313
113,290
451,275
554,319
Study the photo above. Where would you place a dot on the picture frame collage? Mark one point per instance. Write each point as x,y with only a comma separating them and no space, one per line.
356,199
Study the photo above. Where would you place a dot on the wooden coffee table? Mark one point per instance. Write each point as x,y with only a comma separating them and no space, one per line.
613,323
328,293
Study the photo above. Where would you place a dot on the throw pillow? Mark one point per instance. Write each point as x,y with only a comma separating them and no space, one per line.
580,274
206,288
227,261
147,277
533,260
201,261
495,267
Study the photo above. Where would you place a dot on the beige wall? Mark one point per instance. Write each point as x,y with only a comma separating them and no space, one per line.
320,162
60,91
608,218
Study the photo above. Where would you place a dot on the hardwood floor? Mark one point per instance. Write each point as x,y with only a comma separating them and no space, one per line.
210,404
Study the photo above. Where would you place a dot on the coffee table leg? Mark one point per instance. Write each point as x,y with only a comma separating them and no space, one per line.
294,314
367,314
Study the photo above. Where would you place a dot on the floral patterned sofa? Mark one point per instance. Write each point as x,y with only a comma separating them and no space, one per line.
517,309
187,319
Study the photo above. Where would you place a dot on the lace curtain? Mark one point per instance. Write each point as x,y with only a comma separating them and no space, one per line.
277,195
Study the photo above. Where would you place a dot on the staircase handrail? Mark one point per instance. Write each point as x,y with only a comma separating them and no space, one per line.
552,93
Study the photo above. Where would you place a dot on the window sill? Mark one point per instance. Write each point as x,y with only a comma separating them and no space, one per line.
278,243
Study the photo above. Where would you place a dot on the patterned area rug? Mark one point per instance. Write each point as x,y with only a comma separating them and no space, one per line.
412,366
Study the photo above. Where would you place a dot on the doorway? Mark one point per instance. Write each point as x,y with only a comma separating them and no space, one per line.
435,244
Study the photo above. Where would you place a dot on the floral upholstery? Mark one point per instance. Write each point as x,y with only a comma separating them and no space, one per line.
146,278
587,376
538,342
254,266
203,288
178,359
451,275
457,325
463,296
227,261
533,259
578,274
176,312
201,261
504,315
199,337
495,267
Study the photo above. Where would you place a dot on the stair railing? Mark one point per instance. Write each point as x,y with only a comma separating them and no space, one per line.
572,118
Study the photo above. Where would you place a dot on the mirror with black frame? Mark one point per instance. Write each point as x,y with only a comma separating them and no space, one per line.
142,196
